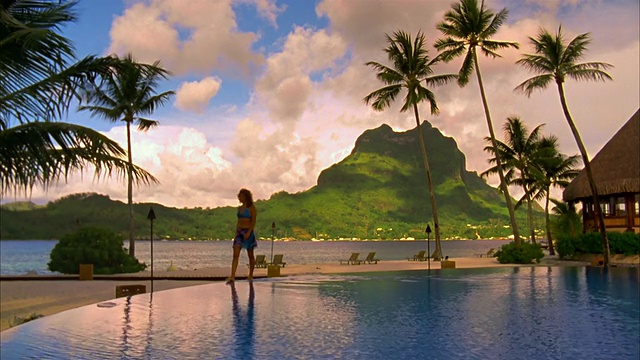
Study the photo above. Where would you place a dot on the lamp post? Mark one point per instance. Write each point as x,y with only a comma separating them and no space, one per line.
273,229
151,216
428,231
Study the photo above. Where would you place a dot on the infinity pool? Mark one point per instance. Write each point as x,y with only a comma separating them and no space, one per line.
503,313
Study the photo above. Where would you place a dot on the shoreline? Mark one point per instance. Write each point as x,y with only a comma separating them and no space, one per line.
26,296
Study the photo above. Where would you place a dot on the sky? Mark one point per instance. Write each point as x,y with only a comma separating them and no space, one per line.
269,93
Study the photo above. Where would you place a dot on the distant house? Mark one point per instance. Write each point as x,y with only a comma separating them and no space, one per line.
616,172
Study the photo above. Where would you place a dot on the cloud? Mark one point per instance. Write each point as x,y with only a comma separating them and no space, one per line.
195,96
268,10
286,85
186,165
199,38
354,19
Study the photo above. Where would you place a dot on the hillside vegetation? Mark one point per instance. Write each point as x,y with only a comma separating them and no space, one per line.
378,191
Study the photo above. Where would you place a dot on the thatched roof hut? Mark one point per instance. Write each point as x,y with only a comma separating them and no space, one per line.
616,168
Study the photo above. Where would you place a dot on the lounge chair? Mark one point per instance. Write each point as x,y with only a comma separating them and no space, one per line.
487,254
420,256
261,262
371,258
277,260
353,260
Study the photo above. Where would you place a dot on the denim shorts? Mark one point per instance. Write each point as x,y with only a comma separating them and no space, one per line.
240,241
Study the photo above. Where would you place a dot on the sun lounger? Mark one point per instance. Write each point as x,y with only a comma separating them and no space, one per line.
420,256
487,254
277,260
371,258
353,260
261,262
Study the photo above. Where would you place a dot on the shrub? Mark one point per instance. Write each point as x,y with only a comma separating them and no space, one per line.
100,247
567,222
564,246
526,253
626,243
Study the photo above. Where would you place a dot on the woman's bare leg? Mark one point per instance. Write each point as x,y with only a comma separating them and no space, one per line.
234,263
252,263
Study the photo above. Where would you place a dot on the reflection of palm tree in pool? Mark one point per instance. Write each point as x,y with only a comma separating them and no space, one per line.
148,345
126,328
243,324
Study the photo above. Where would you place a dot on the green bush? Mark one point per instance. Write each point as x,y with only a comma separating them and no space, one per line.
100,247
526,253
626,243
565,246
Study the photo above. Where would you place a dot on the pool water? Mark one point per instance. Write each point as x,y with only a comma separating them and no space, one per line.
502,313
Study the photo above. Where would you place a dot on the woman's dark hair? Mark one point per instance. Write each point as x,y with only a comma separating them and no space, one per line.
247,195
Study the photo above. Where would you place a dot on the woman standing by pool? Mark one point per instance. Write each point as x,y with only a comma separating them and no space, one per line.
245,237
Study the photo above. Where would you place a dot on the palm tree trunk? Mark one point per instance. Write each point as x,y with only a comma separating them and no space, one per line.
503,184
548,224
587,167
132,243
437,254
532,235
532,232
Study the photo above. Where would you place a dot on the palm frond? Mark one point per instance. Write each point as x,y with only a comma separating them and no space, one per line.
590,71
382,98
536,63
146,124
386,74
49,98
491,27
466,70
439,80
41,153
490,46
575,49
539,82
450,47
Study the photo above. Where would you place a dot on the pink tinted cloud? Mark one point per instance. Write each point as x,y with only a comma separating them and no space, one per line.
285,86
195,95
214,42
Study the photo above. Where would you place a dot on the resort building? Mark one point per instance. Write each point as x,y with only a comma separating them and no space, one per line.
616,172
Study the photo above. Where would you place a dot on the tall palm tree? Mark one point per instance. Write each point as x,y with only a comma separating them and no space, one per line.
469,28
411,67
516,155
38,81
554,61
127,94
550,168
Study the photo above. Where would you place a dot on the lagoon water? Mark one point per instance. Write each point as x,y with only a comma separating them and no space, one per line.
22,256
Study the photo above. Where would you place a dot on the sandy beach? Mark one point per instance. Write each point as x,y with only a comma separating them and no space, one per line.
21,299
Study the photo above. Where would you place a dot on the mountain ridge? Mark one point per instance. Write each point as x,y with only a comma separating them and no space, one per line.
378,191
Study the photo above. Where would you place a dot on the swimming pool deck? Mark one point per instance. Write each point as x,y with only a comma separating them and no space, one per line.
26,295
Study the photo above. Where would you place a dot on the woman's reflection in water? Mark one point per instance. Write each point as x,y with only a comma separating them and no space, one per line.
243,323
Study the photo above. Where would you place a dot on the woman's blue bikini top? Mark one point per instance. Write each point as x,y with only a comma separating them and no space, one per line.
246,214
